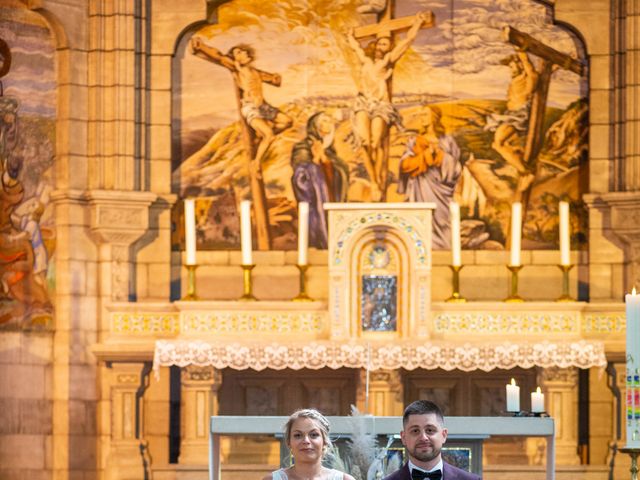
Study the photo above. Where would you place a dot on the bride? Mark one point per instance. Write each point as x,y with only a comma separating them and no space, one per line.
307,436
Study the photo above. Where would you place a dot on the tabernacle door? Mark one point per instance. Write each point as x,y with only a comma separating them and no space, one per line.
379,269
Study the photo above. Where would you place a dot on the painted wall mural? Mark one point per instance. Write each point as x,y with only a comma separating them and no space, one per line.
482,102
27,136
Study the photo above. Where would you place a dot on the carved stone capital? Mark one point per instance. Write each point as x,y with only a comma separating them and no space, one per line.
558,377
622,217
117,220
119,217
195,376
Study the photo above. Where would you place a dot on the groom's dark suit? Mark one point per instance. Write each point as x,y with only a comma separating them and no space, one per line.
449,473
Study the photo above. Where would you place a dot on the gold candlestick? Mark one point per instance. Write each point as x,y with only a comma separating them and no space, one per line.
455,296
191,283
566,296
247,283
633,452
303,296
513,296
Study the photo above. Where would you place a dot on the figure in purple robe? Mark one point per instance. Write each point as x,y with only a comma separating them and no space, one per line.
319,175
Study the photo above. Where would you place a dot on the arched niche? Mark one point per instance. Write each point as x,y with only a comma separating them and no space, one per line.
404,232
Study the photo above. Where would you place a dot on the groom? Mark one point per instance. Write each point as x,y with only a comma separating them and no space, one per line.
423,434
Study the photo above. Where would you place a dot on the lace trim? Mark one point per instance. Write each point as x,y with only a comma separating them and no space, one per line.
466,357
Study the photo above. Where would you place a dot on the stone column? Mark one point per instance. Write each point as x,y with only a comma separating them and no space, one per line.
199,401
631,165
619,215
124,461
560,386
114,75
385,393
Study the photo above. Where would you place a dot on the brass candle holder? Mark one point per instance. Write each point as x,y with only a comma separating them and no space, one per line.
513,296
191,283
456,297
247,283
633,452
566,296
303,296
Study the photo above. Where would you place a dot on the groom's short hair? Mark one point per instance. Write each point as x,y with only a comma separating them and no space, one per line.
422,407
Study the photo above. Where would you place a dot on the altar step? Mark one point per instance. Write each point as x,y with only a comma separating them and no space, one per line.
492,472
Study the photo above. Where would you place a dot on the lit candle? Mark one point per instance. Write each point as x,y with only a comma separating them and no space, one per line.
633,364
245,232
516,232
537,401
366,387
454,214
565,244
190,230
513,397
303,232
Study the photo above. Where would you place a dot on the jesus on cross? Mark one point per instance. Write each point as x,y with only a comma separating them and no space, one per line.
259,118
374,112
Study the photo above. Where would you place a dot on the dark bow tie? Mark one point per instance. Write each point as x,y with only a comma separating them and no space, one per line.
420,475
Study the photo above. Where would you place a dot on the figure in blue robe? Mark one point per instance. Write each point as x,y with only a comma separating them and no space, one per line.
319,175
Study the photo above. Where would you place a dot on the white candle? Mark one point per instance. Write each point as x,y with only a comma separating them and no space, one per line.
632,302
565,242
303,232
366,387
537,401
516,232
454,215
190,230
513,397
245,232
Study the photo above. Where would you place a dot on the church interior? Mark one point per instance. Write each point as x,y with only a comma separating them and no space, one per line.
247,207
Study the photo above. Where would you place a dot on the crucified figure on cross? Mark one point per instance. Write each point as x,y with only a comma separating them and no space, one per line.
526,105
374,112
258,118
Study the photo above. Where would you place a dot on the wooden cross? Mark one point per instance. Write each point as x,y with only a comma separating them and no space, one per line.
387,24
549,57
256,182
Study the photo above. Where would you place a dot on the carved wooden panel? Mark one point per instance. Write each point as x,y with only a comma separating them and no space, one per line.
468,393
270,392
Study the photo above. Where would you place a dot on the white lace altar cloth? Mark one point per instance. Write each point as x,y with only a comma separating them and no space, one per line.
409,355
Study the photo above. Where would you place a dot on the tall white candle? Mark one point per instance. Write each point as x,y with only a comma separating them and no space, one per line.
565,243
190,230
516,232
537,401
303,232
366,387
454,215
632,302
245,232
513,397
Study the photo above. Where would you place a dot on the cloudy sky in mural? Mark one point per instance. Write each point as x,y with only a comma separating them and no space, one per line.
459,58
31,77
